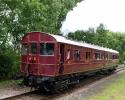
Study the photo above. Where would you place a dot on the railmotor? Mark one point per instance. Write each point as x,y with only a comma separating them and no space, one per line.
53,62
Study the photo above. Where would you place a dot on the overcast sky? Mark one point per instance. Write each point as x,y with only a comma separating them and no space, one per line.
90,13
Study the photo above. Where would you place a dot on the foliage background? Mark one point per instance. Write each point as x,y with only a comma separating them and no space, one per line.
21,16
102,37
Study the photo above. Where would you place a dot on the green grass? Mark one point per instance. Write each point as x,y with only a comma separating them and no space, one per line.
115,91
9,83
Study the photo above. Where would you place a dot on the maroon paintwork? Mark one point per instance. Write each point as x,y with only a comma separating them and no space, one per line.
49,65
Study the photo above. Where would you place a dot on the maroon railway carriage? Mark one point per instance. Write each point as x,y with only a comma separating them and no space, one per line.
48,59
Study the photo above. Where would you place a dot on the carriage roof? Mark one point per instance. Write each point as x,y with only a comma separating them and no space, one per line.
62,39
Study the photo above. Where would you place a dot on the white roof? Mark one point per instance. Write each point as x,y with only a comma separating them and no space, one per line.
83,44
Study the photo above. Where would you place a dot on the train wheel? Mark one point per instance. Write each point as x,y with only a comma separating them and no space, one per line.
112,70
47,86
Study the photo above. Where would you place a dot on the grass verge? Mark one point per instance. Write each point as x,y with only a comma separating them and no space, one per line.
114,91
9,83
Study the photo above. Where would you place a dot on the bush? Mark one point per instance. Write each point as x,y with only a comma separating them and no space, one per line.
9,63
6,64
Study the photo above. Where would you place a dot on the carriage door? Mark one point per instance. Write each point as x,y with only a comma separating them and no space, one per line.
62,53
61,66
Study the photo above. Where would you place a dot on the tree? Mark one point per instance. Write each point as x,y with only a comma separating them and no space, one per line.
87,36
21,16
101,35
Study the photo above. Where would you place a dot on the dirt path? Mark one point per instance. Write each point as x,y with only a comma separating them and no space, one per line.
11,88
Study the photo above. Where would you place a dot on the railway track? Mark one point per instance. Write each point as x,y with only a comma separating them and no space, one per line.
86,82
120,68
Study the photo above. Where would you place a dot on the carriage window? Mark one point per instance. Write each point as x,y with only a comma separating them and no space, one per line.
114,56
88,55
68,54
97,56
110,56
103,56
33,49
24,49
76,55
106,56
47,49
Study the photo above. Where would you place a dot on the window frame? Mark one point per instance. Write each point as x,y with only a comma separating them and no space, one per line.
115,56
78,51
88,55
30,48
68,54
97,55
22,48
46,43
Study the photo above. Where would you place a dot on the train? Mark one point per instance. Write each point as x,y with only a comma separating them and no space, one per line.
53,62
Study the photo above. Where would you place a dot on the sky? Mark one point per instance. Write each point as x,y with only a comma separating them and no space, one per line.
90,13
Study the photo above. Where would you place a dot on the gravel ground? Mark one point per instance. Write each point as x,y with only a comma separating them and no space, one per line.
12,89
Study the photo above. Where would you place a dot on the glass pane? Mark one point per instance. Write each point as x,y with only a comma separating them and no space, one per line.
76,55
24,49
33,48
88,55
47,49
